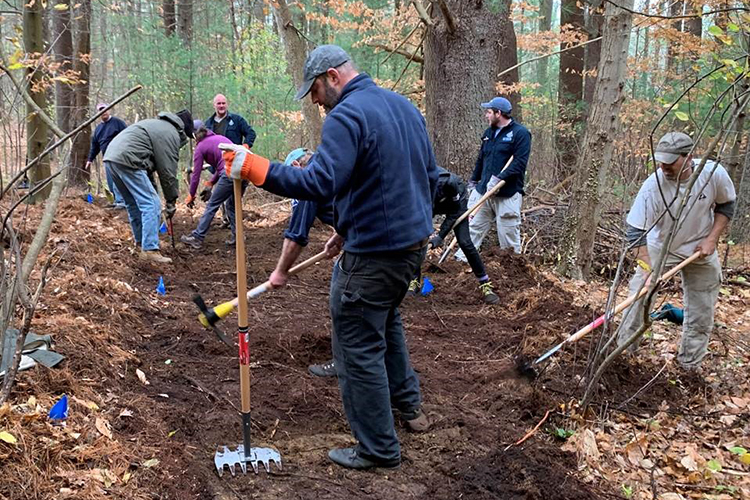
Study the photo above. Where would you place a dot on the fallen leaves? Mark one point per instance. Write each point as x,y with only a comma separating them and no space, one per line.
142,377
103,427
7,437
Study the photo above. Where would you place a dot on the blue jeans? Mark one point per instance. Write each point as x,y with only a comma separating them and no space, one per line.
142,203
111,185
222,192
372,360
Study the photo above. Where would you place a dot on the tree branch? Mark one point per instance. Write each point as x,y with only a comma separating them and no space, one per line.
423,15
413,57
450,21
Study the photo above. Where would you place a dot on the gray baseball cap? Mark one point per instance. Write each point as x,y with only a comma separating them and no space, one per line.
318,62
671,146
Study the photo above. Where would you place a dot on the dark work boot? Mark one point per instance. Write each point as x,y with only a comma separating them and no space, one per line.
327,369
487,293
416,420
349,458
192,241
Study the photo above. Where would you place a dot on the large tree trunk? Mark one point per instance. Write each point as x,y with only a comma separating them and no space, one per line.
694,26
185,21
545,24
36,129
168,14
467,35
570,90
63,46
507,57
296,53
598,144
79,153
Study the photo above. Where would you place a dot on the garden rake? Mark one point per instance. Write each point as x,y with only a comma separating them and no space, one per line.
527,369
244,453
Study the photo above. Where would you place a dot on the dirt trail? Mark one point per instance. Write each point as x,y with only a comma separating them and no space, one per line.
108,321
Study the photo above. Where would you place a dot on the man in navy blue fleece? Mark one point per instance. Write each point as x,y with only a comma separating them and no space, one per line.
376,162
103,135
504,138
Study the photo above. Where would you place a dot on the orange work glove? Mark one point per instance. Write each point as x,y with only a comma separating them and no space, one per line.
240,163
190,201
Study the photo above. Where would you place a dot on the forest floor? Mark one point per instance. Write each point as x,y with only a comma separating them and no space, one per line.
653,432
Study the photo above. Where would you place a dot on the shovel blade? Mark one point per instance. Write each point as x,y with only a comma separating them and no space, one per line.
226,457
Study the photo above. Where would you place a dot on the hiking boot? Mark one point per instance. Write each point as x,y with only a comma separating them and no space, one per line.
327,369
416,420
154,256
413,290
351,459
192,241
488,294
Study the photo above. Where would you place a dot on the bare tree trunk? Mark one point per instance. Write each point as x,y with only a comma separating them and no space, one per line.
79,175
739,231
570,90
168,14
37,130
453,94
598,144
63,47
296,53
675,10
507,57
594,22
694,26
545,24
185,21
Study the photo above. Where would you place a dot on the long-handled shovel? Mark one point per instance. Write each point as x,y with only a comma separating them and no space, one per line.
471,211
209,317
528,369
243,454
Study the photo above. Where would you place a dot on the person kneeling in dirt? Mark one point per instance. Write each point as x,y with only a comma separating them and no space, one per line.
304,213
700,227
376,163
144,147
451,199
218,190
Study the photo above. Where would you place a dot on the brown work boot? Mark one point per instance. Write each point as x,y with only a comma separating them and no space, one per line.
154,256
416,421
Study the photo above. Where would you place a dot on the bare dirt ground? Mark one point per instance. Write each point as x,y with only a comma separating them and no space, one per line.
155,436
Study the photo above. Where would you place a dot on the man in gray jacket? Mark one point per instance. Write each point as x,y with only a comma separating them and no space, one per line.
148,146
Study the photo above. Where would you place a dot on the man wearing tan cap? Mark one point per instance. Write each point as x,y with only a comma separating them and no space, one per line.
706,215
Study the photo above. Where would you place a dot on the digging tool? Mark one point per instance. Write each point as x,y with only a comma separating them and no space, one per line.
170,230
209,318
471,211
244,453
529,368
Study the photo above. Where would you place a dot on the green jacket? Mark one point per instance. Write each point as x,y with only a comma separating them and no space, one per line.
152,145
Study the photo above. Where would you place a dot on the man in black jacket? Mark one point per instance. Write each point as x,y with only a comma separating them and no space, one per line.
452,201
103,135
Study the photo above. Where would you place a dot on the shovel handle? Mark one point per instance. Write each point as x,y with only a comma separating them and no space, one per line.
627,302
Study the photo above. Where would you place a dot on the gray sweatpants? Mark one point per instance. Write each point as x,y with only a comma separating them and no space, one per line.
506,212
701,280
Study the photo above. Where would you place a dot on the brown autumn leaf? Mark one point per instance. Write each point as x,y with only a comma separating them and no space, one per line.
103,427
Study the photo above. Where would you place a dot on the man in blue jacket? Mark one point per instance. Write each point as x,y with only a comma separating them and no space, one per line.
103,135
235,128
504,138
376,162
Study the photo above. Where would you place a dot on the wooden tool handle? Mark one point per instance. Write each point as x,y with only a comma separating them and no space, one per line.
627,302
242,326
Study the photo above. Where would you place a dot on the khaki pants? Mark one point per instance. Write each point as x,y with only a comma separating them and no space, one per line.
506,212
701,280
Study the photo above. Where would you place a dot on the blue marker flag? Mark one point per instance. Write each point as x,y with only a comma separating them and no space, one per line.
163,228
160,288
427,286
60,409
89,198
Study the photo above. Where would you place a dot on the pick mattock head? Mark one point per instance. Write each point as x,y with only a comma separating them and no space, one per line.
230,458
208,318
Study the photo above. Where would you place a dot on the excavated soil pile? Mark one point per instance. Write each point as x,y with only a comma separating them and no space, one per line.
164,388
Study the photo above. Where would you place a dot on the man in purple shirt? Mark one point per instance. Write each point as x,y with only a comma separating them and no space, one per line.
220,188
